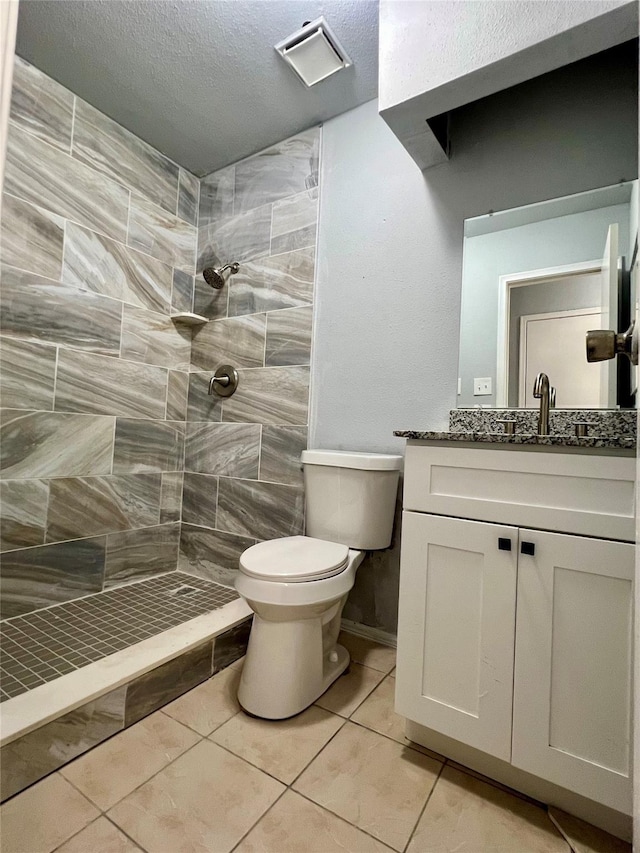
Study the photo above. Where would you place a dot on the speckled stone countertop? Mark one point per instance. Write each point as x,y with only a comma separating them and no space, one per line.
608,428
620,442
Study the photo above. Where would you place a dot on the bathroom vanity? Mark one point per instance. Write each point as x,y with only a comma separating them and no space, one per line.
515,614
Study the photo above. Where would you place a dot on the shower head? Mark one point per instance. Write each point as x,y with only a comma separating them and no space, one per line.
214,275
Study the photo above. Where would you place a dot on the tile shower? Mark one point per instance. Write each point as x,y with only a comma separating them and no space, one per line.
116,466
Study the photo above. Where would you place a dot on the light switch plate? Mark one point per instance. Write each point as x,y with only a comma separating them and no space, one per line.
482,386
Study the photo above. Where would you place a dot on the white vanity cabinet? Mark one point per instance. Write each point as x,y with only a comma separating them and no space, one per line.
513,640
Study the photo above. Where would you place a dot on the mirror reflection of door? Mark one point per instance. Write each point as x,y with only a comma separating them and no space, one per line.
549,314
535,256
557,338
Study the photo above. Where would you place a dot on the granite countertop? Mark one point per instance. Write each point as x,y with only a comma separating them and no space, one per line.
613,441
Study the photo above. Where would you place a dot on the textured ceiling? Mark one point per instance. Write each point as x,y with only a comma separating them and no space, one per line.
199,79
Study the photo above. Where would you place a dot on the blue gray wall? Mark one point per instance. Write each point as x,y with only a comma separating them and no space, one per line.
390,251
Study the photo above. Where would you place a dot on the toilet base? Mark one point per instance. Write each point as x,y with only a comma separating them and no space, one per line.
291,664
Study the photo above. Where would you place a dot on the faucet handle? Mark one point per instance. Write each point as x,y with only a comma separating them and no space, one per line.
509,426
552,397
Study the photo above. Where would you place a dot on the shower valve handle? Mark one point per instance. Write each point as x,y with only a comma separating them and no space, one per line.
224,381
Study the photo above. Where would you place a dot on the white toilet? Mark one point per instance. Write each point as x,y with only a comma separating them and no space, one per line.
297,586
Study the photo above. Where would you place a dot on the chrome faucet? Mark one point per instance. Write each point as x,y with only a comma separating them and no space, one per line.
541,392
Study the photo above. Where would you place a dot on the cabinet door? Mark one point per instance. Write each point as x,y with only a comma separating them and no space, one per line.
572,689
456,629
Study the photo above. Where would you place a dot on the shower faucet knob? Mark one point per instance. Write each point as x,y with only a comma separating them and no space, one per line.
224,381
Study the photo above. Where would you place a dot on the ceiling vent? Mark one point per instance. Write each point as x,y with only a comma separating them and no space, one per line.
314,52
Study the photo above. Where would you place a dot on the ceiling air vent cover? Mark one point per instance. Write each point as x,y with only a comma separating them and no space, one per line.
314,52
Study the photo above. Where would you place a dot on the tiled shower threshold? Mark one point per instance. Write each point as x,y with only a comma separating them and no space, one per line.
162,619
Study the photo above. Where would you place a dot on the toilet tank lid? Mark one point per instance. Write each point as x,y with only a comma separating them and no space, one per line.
352,459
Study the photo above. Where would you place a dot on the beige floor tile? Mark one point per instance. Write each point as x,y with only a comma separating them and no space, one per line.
489,781
210,704
43,817
368,653
203,802
348,691
468,816
372,782
109,772
377,713
294,825
100,836
585,838
282,748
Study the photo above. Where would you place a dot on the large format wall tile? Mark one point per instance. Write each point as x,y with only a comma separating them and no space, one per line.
23,513
289,337
188,197
31,238
263,510
144,445
27,374
203,406
108,147
231,645
271,395
238,239
199,499
211,554
164,683
239,341
109,386
116,503
137,554
268,284
153,230
294,222
216,196
49,574
282,170
154,339
177,395
209,302
280,454
37,308
171,497
51,444
41,106
44,750
94,262
182,291
229,450
38,173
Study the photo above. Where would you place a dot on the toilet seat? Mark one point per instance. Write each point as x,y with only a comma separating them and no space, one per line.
294,559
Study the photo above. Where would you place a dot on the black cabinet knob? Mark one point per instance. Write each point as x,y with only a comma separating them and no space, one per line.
504,544
527,548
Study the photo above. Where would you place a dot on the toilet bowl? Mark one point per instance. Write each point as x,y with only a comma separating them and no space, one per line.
297,586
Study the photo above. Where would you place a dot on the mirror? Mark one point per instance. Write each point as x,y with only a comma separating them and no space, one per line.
535,279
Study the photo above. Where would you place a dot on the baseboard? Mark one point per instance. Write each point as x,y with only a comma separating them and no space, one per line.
376,634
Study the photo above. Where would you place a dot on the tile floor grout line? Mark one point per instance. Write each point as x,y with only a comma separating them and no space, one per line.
409,745
263,815
340,817
137,788
424,808
125,833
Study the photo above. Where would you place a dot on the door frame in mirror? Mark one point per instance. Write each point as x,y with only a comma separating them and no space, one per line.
505,285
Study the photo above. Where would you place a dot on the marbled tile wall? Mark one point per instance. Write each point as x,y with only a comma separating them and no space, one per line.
243,478
99,236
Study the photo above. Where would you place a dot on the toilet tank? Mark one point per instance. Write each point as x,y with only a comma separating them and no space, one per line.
350,497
